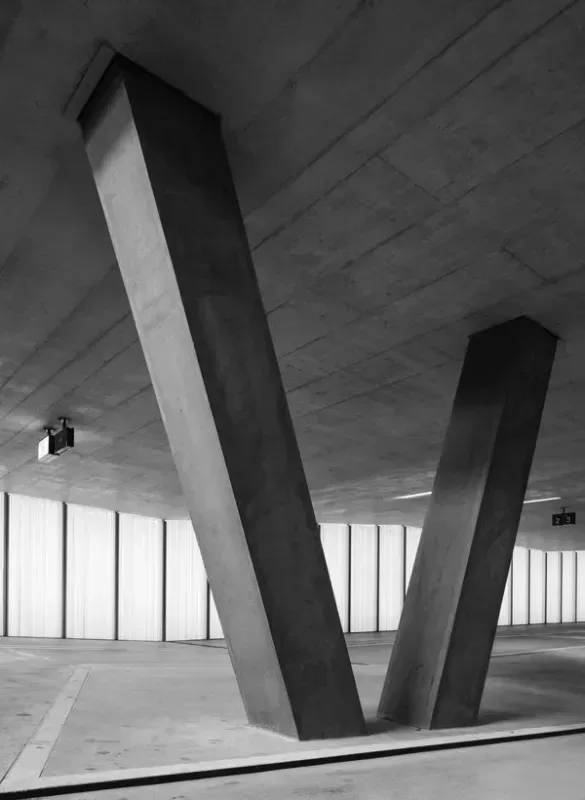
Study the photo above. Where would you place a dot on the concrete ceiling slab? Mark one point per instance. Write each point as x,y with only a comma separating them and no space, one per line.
409,174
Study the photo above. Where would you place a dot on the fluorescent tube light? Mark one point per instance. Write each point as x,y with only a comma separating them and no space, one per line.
427,494
408,496
541,500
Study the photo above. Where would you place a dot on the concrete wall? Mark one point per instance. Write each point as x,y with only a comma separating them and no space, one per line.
79,572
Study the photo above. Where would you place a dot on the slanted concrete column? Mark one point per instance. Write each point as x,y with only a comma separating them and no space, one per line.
440,658
165,185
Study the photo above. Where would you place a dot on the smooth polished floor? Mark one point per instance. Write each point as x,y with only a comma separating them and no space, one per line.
71,707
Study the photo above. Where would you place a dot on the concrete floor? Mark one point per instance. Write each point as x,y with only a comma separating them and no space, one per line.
516,770
98,706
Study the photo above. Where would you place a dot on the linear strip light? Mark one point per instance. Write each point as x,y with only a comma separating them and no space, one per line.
408,496
427,494
541,500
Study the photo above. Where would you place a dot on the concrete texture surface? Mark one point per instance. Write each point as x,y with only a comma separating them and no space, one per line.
148,705
221,398
408,176
536,770
444,641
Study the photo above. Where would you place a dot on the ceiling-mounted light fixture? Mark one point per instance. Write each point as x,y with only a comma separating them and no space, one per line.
64,437
409,496
56,443
427,494
46,450
541,500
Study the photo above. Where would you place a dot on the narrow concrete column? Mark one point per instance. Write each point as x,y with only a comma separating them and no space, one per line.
440,658
165,185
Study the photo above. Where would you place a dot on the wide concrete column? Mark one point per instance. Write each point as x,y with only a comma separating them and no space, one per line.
440,658
165,185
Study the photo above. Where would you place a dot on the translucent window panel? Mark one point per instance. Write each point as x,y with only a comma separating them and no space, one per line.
364,578
581,586
537,587
140,590
186,584
520,586
391,576
553,586
335,542
505,617
412,542
2,564
35,566
215,628
91,580
568,561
